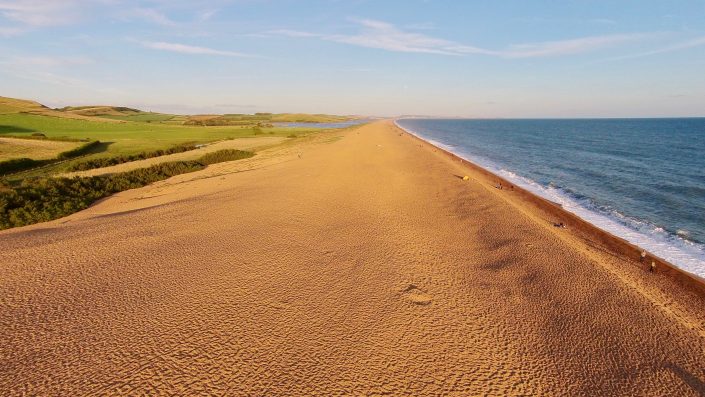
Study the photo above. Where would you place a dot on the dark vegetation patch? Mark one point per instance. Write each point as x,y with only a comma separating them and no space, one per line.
79,151
115,160
11,129
224,155
23,164
16,165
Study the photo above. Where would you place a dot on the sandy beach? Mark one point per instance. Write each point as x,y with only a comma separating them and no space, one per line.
354,262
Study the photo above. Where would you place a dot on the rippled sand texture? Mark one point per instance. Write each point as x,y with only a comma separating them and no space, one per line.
364,267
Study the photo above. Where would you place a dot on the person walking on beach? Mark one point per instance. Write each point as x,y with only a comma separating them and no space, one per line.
652,268
643,256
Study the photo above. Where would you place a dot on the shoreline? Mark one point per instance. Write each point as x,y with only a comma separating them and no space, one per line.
343,263
590,232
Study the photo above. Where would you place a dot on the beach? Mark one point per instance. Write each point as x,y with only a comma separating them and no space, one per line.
355,262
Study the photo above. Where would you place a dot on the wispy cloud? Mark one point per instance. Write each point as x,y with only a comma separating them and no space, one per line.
189,49
572,46
8,31
40,13
603,21
21,16
205,15
696,42
38,73
153,16
47,61
385,36
288,33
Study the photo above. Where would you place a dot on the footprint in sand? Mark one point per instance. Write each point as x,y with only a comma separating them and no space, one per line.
417,296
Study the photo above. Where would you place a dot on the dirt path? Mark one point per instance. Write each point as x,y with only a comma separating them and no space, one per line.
358,265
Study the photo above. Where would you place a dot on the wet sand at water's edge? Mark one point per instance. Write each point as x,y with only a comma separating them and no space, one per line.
346,263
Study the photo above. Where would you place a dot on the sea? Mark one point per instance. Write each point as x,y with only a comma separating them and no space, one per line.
639,179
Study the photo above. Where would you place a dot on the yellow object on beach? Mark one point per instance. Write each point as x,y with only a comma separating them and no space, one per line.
465,178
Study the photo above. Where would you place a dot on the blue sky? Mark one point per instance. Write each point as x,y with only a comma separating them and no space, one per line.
444,58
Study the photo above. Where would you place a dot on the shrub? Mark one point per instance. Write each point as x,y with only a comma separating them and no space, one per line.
109,161
43,199
16,165
224,155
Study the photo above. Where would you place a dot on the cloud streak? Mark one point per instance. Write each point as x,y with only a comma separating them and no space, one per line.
153,16
385,36
191,50
10,31
572,46
40,13
696,42
22,16
47,61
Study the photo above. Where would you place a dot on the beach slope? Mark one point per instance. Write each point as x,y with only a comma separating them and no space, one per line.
347,263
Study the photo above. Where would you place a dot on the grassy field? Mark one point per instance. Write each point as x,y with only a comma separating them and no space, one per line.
124,132
129,137
11,148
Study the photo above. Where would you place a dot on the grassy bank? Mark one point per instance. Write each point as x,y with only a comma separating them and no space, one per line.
22,164
101,162
34,200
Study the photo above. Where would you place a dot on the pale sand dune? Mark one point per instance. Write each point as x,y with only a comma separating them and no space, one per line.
365,267
239,143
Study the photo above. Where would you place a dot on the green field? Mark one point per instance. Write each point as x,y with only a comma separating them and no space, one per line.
129,137
125,132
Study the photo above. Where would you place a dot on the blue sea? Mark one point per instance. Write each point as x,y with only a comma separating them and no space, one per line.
640,179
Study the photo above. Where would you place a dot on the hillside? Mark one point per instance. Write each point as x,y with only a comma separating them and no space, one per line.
100,110
24,106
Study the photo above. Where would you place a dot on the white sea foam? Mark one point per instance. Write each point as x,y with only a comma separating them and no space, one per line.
675,248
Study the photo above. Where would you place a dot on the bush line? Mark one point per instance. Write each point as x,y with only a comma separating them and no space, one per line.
110,161
23,164
44,199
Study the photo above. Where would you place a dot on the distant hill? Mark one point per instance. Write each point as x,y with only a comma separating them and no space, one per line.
12,105
24,106
121,114
94,111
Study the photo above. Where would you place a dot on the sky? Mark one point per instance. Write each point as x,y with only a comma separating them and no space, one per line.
512,58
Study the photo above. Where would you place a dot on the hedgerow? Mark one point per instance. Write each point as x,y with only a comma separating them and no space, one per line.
42,199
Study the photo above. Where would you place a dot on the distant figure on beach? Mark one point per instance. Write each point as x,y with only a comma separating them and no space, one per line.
499,186
561,224
652,268
643,256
